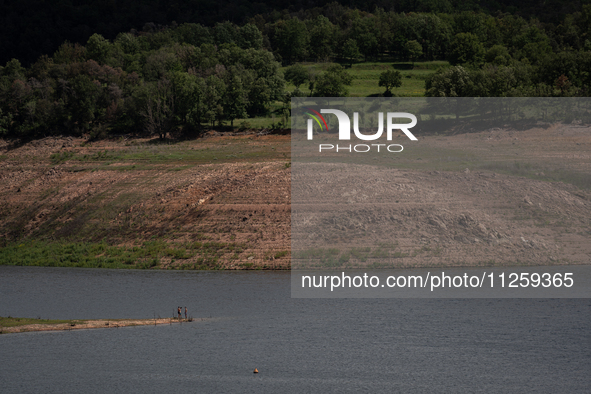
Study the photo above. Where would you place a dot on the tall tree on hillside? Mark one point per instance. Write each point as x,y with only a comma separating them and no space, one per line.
249,36
81,94
466,49
364,31
159,108
351,51
452,82
291,40
98,48
235,98
322,35
190,107
214,93
414,50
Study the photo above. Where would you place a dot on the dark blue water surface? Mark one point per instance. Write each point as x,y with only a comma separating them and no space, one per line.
247,320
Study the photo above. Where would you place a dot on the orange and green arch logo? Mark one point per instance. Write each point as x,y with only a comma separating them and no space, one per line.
317,117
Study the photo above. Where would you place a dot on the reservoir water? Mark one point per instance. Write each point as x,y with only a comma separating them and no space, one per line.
247,320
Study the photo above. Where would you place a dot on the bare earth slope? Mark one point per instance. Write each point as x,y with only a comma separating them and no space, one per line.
442,218
235,209
522,197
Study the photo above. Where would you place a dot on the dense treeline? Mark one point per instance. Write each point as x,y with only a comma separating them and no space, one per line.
178,78
168,81
318,33
31,28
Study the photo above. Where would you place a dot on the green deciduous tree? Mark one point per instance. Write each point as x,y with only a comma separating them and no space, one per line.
159,63
193,34
322,36
351,51
226,33
235,99
291,40
414,50
466,49
69,53
498,55
390,79
249,36
5,122
97,48
159,108
332,83
492,81
297,75
190,108
451,82
365,32
81,95
368,45
13,70
215,89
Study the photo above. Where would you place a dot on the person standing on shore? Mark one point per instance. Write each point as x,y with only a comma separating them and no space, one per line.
185,313
178,311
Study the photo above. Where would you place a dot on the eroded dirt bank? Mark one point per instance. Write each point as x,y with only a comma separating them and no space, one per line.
405,218
217,202
225,202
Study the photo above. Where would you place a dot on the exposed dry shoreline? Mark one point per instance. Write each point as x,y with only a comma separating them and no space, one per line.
215,202
497,197
85,324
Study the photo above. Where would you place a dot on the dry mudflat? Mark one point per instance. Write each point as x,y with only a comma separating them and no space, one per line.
490,198
495,197
86,324
216,202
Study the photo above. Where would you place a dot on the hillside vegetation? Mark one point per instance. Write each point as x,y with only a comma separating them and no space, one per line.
179,79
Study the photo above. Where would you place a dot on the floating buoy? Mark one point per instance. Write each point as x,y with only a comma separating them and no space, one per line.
256,371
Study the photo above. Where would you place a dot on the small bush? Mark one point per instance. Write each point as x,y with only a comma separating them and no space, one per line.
281,254
60,157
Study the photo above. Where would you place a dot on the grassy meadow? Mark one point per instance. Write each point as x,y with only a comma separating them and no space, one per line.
366,76
23,321
102,255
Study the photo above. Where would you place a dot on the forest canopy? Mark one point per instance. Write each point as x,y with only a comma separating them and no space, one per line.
31,28
172,77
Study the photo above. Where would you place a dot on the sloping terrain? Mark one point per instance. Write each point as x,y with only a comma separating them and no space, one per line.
234,214
389,217
498,197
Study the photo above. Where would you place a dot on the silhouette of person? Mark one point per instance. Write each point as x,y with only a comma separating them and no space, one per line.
178,311
185,312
